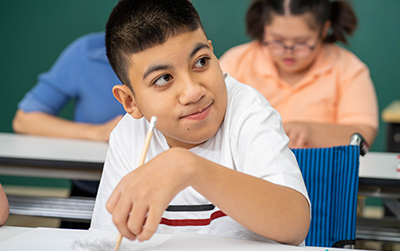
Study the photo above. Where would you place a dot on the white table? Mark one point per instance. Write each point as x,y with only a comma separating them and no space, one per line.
379,178
36,156
380,168
8,232
27,155
44,239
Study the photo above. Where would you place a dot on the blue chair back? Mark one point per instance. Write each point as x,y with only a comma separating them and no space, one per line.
331,178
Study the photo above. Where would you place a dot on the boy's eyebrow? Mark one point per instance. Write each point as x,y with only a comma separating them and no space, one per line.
156,67
198,47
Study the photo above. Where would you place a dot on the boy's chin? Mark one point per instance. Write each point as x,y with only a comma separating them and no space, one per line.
187,143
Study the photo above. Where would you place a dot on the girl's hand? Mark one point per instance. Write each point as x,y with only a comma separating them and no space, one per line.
299,134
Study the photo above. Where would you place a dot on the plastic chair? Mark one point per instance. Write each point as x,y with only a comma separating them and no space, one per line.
331,179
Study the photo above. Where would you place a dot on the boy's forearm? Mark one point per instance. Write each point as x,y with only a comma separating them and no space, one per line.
276,212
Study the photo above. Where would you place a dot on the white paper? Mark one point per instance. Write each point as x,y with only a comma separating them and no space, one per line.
55,239
194,242
197,242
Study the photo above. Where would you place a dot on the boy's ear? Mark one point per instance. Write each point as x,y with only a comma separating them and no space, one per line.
212,49
125,96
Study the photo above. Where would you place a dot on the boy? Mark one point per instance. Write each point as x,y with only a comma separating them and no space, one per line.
218,162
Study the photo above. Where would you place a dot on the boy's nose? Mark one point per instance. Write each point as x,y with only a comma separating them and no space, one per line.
191,92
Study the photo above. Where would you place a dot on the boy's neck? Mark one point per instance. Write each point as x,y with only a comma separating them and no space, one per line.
176,143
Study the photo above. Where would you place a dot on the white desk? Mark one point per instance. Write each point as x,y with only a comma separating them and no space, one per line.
380,168
8,232
35,156
44,239
379,178
24,155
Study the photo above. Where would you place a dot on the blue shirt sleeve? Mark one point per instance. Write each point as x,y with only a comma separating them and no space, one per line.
59,85
81,73
43,98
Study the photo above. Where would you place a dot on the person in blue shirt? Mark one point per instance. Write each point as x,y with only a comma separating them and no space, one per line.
82,74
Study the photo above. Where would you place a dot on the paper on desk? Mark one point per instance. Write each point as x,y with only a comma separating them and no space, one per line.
50,239
197,242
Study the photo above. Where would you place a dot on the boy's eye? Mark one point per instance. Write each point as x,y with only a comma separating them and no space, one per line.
201,62
163,80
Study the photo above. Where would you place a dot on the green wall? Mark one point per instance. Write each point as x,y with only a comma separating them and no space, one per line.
33,33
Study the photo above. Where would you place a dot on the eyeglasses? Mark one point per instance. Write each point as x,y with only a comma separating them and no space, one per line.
298,49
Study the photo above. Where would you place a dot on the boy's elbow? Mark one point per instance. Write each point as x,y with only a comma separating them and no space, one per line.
295,227
302,232
303,226
296,234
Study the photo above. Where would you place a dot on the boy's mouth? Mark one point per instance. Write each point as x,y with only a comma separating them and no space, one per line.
200,114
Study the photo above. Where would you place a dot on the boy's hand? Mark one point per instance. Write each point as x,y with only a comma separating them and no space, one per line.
141,197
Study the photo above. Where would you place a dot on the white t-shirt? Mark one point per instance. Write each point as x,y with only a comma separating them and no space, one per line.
251,140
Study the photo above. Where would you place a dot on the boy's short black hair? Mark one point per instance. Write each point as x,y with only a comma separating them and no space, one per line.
137,25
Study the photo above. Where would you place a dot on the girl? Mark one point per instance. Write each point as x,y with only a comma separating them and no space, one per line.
323,92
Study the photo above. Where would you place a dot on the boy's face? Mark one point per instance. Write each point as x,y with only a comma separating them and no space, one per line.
181,83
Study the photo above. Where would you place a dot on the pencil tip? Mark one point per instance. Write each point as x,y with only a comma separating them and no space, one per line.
118,242
116,246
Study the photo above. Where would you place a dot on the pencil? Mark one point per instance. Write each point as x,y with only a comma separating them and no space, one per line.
141,162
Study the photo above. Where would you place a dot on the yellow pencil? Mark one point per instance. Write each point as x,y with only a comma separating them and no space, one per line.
141,162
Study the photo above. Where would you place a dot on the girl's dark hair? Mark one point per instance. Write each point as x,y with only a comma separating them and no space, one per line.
340,13
134,26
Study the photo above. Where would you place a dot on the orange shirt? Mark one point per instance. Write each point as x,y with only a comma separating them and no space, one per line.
337,88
